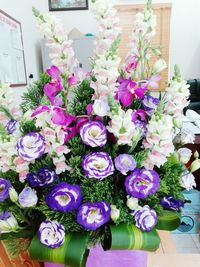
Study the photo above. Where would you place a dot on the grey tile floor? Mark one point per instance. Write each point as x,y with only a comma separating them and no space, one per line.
187,243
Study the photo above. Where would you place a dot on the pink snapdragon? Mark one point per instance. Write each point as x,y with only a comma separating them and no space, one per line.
130,63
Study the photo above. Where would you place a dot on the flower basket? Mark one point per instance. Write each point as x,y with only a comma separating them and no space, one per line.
92,163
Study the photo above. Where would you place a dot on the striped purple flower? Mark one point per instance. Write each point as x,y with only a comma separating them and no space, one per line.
43,177
93,215
146,218
11,126
169,202
98,165
93,133
31,146
4,189
142,183
64,197
125,163
150,104
51,234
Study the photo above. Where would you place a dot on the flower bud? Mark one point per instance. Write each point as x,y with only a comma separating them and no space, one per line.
177,122
8,223
159,66
13,194
115,213
195,165
184,154
132,203
196,154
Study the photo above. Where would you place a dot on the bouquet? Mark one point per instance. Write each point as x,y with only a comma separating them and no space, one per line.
94,157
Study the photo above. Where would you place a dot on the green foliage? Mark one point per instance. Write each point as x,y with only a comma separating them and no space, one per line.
82,97
15,246
76,145
34,95
3,133
28,126
45,161
6,112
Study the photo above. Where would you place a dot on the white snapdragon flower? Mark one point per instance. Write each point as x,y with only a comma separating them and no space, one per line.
187,180
123,128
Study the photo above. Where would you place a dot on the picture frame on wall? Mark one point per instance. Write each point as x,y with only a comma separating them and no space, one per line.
62,5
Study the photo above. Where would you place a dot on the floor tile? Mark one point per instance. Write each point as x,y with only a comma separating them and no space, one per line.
195,237
184,241
188,250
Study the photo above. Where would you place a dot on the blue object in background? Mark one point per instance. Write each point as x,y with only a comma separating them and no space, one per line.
190,213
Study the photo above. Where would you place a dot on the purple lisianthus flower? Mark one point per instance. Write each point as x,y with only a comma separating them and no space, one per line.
4,189
169,202
125,163
150,104
43,177
11,126
51,233
146,218
98,165
64,197
142,183
31,146
93,133
28,197
142,126
93,215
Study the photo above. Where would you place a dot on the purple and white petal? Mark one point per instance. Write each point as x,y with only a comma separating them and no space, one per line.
28,197
146,218
51,234
64,197
141,183
93,215
31,146
98,165
169,202
8,222
125,163
4,189
150,104
44,177
11,126
93,133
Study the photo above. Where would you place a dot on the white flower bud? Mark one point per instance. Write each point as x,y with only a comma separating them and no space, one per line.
184,154
195,165
177,122
8,223
159,66
196,154
13,194
132,203
101,107
115,213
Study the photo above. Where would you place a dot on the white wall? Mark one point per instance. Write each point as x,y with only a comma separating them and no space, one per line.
184,43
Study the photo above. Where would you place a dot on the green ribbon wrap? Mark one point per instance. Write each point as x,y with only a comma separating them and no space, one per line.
129,237
169,221
73,252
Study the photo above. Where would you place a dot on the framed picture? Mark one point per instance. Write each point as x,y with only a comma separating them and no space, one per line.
12,60
60,5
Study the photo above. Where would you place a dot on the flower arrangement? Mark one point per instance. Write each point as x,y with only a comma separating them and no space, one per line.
105,164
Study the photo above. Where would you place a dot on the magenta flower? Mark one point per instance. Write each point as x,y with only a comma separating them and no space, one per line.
128,90
89,109
60,117
72,80
139,114
70,132
40,109
54,72
130,63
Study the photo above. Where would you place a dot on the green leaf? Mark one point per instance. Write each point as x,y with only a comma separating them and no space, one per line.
73,252
169,221
129,237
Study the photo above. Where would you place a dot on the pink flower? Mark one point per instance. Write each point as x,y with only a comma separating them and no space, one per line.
59,116
131,63
54,72
72,80
71,131
40,109
89,109
51,88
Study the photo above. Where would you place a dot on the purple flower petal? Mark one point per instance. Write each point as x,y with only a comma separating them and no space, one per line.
44,177
4,189
125,163
146,218
51,234
31,146
169,202
93,215
142,183
98,165
11,126
64,197
93,133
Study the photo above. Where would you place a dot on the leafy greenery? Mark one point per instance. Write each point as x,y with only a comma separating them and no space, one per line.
34,94
28,126
82,97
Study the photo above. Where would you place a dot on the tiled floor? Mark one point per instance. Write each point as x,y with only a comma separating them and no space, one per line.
187,243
